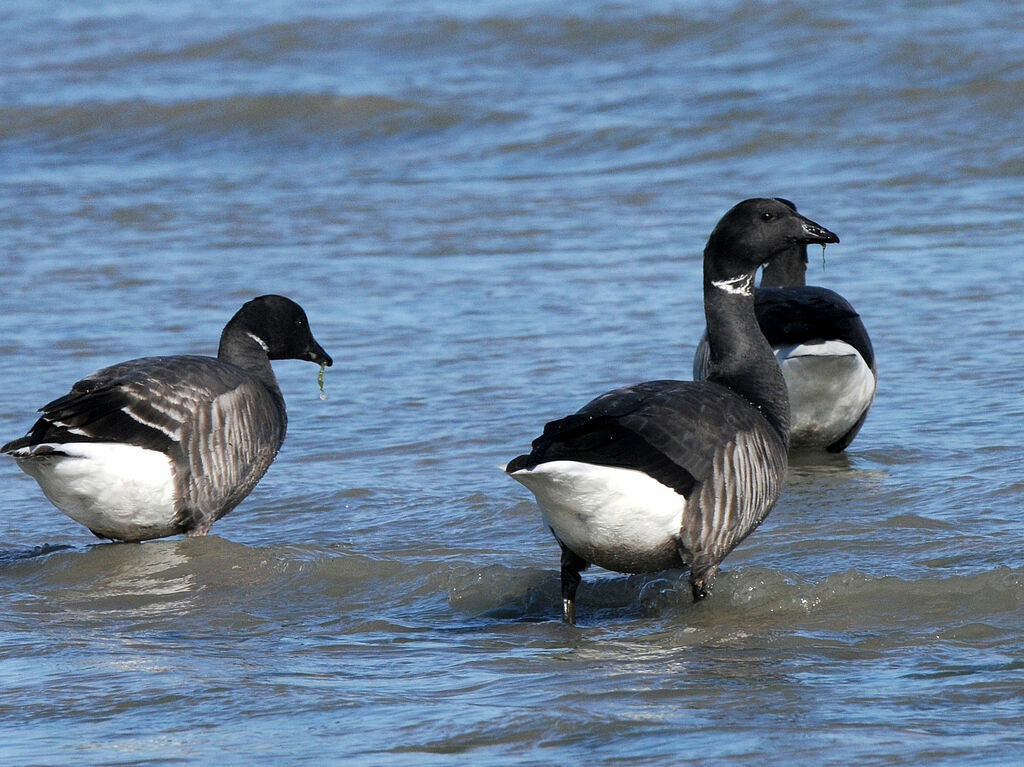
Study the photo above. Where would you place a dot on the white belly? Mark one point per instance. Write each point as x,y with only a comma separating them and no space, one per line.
830,387
620,519
117,491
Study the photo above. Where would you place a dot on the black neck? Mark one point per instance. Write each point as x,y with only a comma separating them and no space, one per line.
740,357
786,269
244,349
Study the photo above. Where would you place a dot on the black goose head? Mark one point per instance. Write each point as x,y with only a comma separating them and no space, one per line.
757,230
281,327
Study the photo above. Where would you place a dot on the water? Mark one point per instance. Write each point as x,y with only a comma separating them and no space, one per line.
492,214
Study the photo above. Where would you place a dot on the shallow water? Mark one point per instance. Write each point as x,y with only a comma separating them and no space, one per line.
491,216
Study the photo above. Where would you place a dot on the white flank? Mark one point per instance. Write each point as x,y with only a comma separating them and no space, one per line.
830,387
119,491
742,285
621,519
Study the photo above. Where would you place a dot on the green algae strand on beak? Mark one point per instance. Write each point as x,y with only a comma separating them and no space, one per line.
320,380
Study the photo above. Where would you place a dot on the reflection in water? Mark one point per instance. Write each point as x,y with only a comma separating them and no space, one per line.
143,580
817,461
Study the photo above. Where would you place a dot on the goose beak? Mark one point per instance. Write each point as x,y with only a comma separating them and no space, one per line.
317,354
811,232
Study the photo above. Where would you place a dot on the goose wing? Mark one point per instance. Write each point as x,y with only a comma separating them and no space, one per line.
144,402
671,430
798,314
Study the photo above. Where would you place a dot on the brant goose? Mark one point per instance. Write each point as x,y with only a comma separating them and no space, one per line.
676,473
164,445
823,349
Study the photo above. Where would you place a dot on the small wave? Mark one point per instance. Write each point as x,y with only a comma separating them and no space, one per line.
528,36
769,598
289,119
20,555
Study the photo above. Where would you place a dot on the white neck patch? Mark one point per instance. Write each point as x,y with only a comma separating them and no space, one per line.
737,286
260,341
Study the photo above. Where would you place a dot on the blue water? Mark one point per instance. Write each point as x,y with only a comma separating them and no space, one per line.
492,214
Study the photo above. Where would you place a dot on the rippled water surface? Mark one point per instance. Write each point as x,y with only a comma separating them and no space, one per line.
493,212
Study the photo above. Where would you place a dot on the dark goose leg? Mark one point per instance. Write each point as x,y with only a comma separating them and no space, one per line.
572,565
